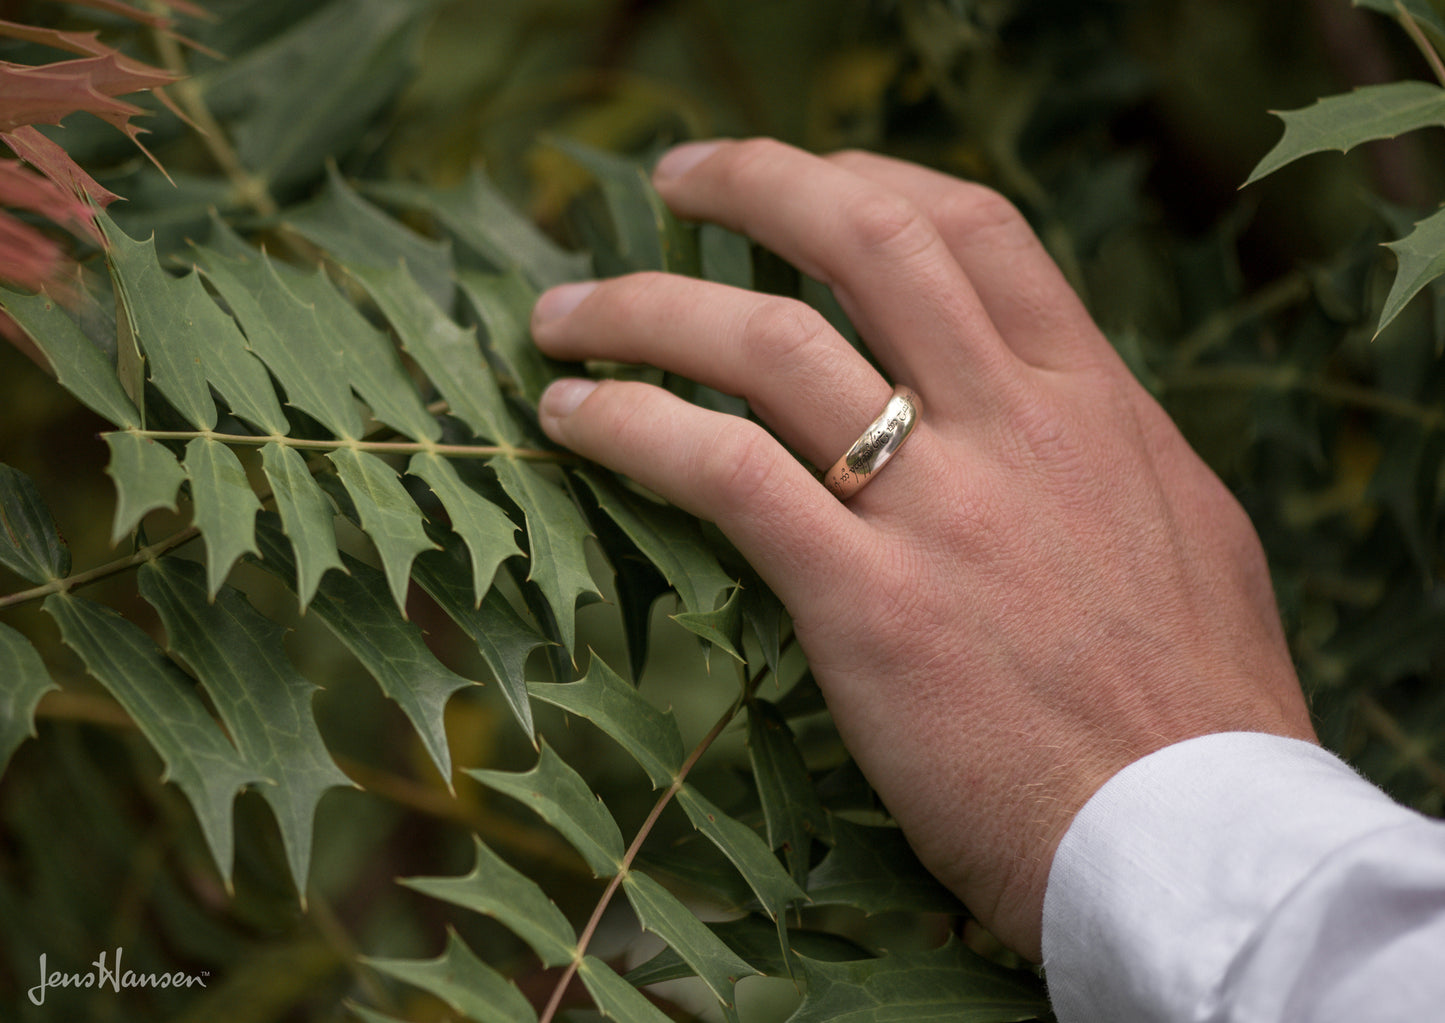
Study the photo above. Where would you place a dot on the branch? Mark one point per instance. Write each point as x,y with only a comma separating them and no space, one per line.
374,446
1417,36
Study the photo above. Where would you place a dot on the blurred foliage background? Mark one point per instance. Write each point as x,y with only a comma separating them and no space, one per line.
1122,128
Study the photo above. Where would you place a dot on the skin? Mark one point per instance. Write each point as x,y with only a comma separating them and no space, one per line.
1044,585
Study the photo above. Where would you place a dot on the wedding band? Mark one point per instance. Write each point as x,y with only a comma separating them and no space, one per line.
870,452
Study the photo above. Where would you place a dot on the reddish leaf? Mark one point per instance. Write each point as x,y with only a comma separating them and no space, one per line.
25,189
55,163
27,257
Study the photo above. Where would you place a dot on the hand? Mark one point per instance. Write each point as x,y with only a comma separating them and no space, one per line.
1042,586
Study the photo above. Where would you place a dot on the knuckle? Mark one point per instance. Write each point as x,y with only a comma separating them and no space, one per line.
979,210
884,221
779,330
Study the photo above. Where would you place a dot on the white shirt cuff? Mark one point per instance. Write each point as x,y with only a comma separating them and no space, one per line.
1174,866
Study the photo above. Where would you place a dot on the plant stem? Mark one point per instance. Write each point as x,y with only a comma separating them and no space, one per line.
375,446
1279,294
1384,724
1288,378
146,553
1417,36
642,833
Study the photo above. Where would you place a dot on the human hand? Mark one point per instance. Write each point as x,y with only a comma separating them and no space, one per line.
1042,586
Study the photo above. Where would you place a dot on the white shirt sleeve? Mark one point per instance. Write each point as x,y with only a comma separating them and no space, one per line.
1246,878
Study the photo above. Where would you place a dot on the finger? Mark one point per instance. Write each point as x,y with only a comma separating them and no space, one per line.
1025,294
719,467
797,373
889,268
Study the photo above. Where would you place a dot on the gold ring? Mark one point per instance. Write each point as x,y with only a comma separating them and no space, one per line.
870,452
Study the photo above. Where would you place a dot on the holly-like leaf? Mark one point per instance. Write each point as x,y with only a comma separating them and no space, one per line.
617,999
1421,256
496,888
357,607
358,234
875,870
949,984
604,698
482,219
188,340
240,657
146,477
560,797
388,514
1344,121
723,627
286,335
225,506
306,516
79,365
489,534
26,681
447,354
556,532
660,912
791,808
162,701
29,544
745,848
503,636
754,939
503,305
463,981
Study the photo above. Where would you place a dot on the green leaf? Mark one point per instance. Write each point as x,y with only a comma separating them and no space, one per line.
791,808
463,981
358,234
240,657
874,869
503,636
637,582
556,532
503,304
648,236
497,889
723,628
447,354
670,539
1421,255
560,797
146,477
26,681
604,698
225,506
306,516
726,256
745,848
660,912
356,606
79,365
947,985
481,218
388,514
162,701
29,544
489,534
1420,10
371,362
285,334
616,998
754,939
188,340
346,59
1344,121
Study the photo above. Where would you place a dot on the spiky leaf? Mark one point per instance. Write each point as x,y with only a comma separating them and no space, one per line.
617,999
388,514
162,701
503,306
225,506
29,544
947,985
754,939
791,808
489,534
146,477
745,848
356,605
499,890
464,982
1421,256
560,797
306,516
26,681
875,870
604,698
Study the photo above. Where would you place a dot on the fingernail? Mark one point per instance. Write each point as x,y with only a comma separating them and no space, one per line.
562,397
681,159
557,302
